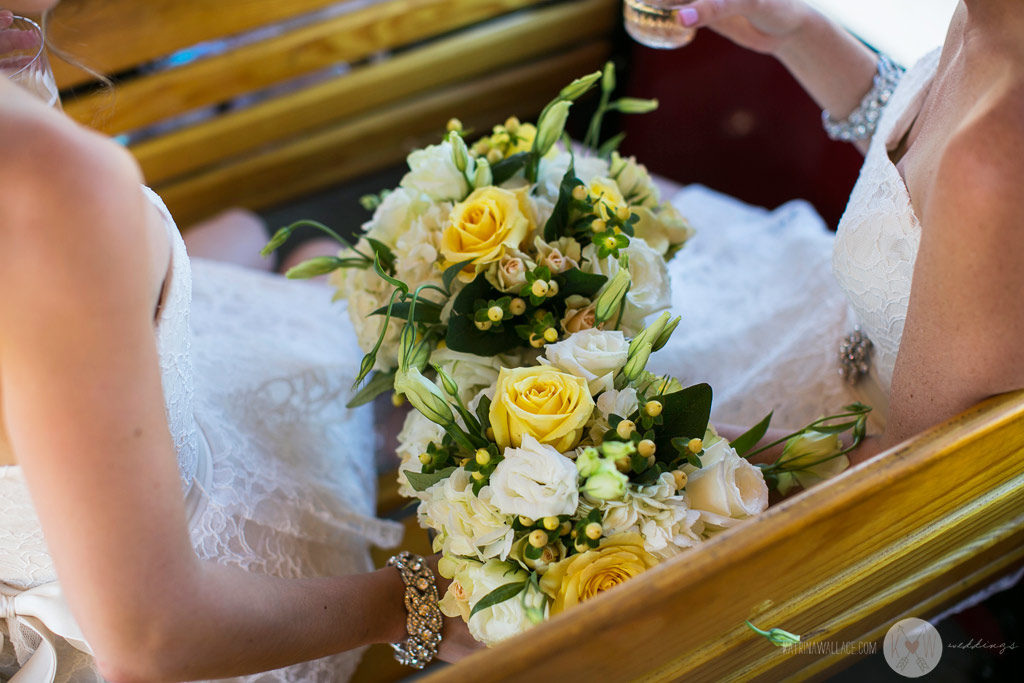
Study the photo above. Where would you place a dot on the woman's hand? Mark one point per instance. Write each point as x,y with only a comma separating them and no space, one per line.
759,25
456,641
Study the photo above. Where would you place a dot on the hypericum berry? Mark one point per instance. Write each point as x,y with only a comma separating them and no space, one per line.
517,306
539,288
625,429
653,408
593,531
495,314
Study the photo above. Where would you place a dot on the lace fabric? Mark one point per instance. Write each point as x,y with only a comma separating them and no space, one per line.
258,369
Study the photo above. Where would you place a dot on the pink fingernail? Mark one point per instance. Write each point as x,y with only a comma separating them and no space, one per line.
688,16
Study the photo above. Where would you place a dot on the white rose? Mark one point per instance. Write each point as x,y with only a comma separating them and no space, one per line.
433,172
504,620
535,480
726,486
595,355
649,292
392,218
417,433
467,524
508,274
559,256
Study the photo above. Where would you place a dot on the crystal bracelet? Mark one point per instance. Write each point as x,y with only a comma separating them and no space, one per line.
861,123
424,619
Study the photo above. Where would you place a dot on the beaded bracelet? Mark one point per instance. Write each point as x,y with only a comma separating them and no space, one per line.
424,619
861,123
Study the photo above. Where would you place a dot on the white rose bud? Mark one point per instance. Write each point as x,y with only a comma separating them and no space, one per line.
594,355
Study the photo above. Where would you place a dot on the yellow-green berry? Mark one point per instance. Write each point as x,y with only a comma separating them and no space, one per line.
653,408
495,314
593,531
625,429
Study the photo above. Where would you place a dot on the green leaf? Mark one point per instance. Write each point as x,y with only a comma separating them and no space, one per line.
498,595
575,281
834,429
427,311
556,225
452,272
421,482
463,334
378,384
508,167
686,414
748,439
384,253
610,145
483,412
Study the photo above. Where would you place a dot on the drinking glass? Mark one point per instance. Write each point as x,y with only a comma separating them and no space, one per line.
653,23
23,59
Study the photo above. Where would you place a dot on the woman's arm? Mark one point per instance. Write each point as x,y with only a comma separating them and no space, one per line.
835,68
84,411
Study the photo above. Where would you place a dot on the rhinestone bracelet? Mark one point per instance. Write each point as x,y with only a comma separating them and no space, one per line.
861,123
424,619
854,356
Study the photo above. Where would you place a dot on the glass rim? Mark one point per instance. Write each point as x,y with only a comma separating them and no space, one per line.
39,52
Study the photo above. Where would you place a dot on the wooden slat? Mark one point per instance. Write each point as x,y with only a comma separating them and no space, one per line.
508,41
846,556
350,37
371,142
113,35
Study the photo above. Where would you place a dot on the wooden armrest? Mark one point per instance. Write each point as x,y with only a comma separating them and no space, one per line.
905,534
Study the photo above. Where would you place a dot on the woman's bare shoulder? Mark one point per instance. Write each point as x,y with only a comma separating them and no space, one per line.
70,210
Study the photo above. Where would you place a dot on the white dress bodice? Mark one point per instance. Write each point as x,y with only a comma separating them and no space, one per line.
878,236
278,475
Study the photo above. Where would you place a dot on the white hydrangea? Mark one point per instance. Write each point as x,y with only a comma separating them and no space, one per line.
416,249
392,218
467,524
417,433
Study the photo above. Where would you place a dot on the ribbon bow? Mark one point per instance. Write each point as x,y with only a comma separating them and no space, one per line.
43,610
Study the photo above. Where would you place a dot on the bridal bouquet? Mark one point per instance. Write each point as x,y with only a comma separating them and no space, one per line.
508,243
558,481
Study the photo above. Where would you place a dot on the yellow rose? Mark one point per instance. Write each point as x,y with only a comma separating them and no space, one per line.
482,227
583,576
606,197
547,404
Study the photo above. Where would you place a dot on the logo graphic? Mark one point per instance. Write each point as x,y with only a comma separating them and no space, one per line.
912,647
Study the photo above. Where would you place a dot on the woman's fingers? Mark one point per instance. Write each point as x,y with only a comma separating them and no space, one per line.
6,18
704,12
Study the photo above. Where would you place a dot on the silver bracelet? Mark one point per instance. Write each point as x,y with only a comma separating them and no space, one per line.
861,123
424,619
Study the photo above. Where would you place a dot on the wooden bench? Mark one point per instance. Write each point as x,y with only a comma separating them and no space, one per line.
388,75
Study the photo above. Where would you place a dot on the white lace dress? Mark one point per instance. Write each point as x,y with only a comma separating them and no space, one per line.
767,296
279,476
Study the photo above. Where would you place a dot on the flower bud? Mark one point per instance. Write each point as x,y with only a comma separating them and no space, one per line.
460,155
646,448
495,314
550,127
525,521
551,335
607,484
424,396
279,238
663,338
447,383
623,213
593,531
425,458
318,265
539,288
482,456
482,177
588,462
517,306
512,124
653,408
551,523
579,193
625,429
634,105
579,86
611,296
454,125
482,325
538,538
494,156
695,446
680,478
598,225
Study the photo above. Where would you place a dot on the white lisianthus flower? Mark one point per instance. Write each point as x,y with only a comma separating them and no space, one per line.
417,433
551,171
612,402
662,228
504,620
650,291
634,181
433,172
534,480
471,372
392,218
467,524
595,355
416,249
726,487
658,512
